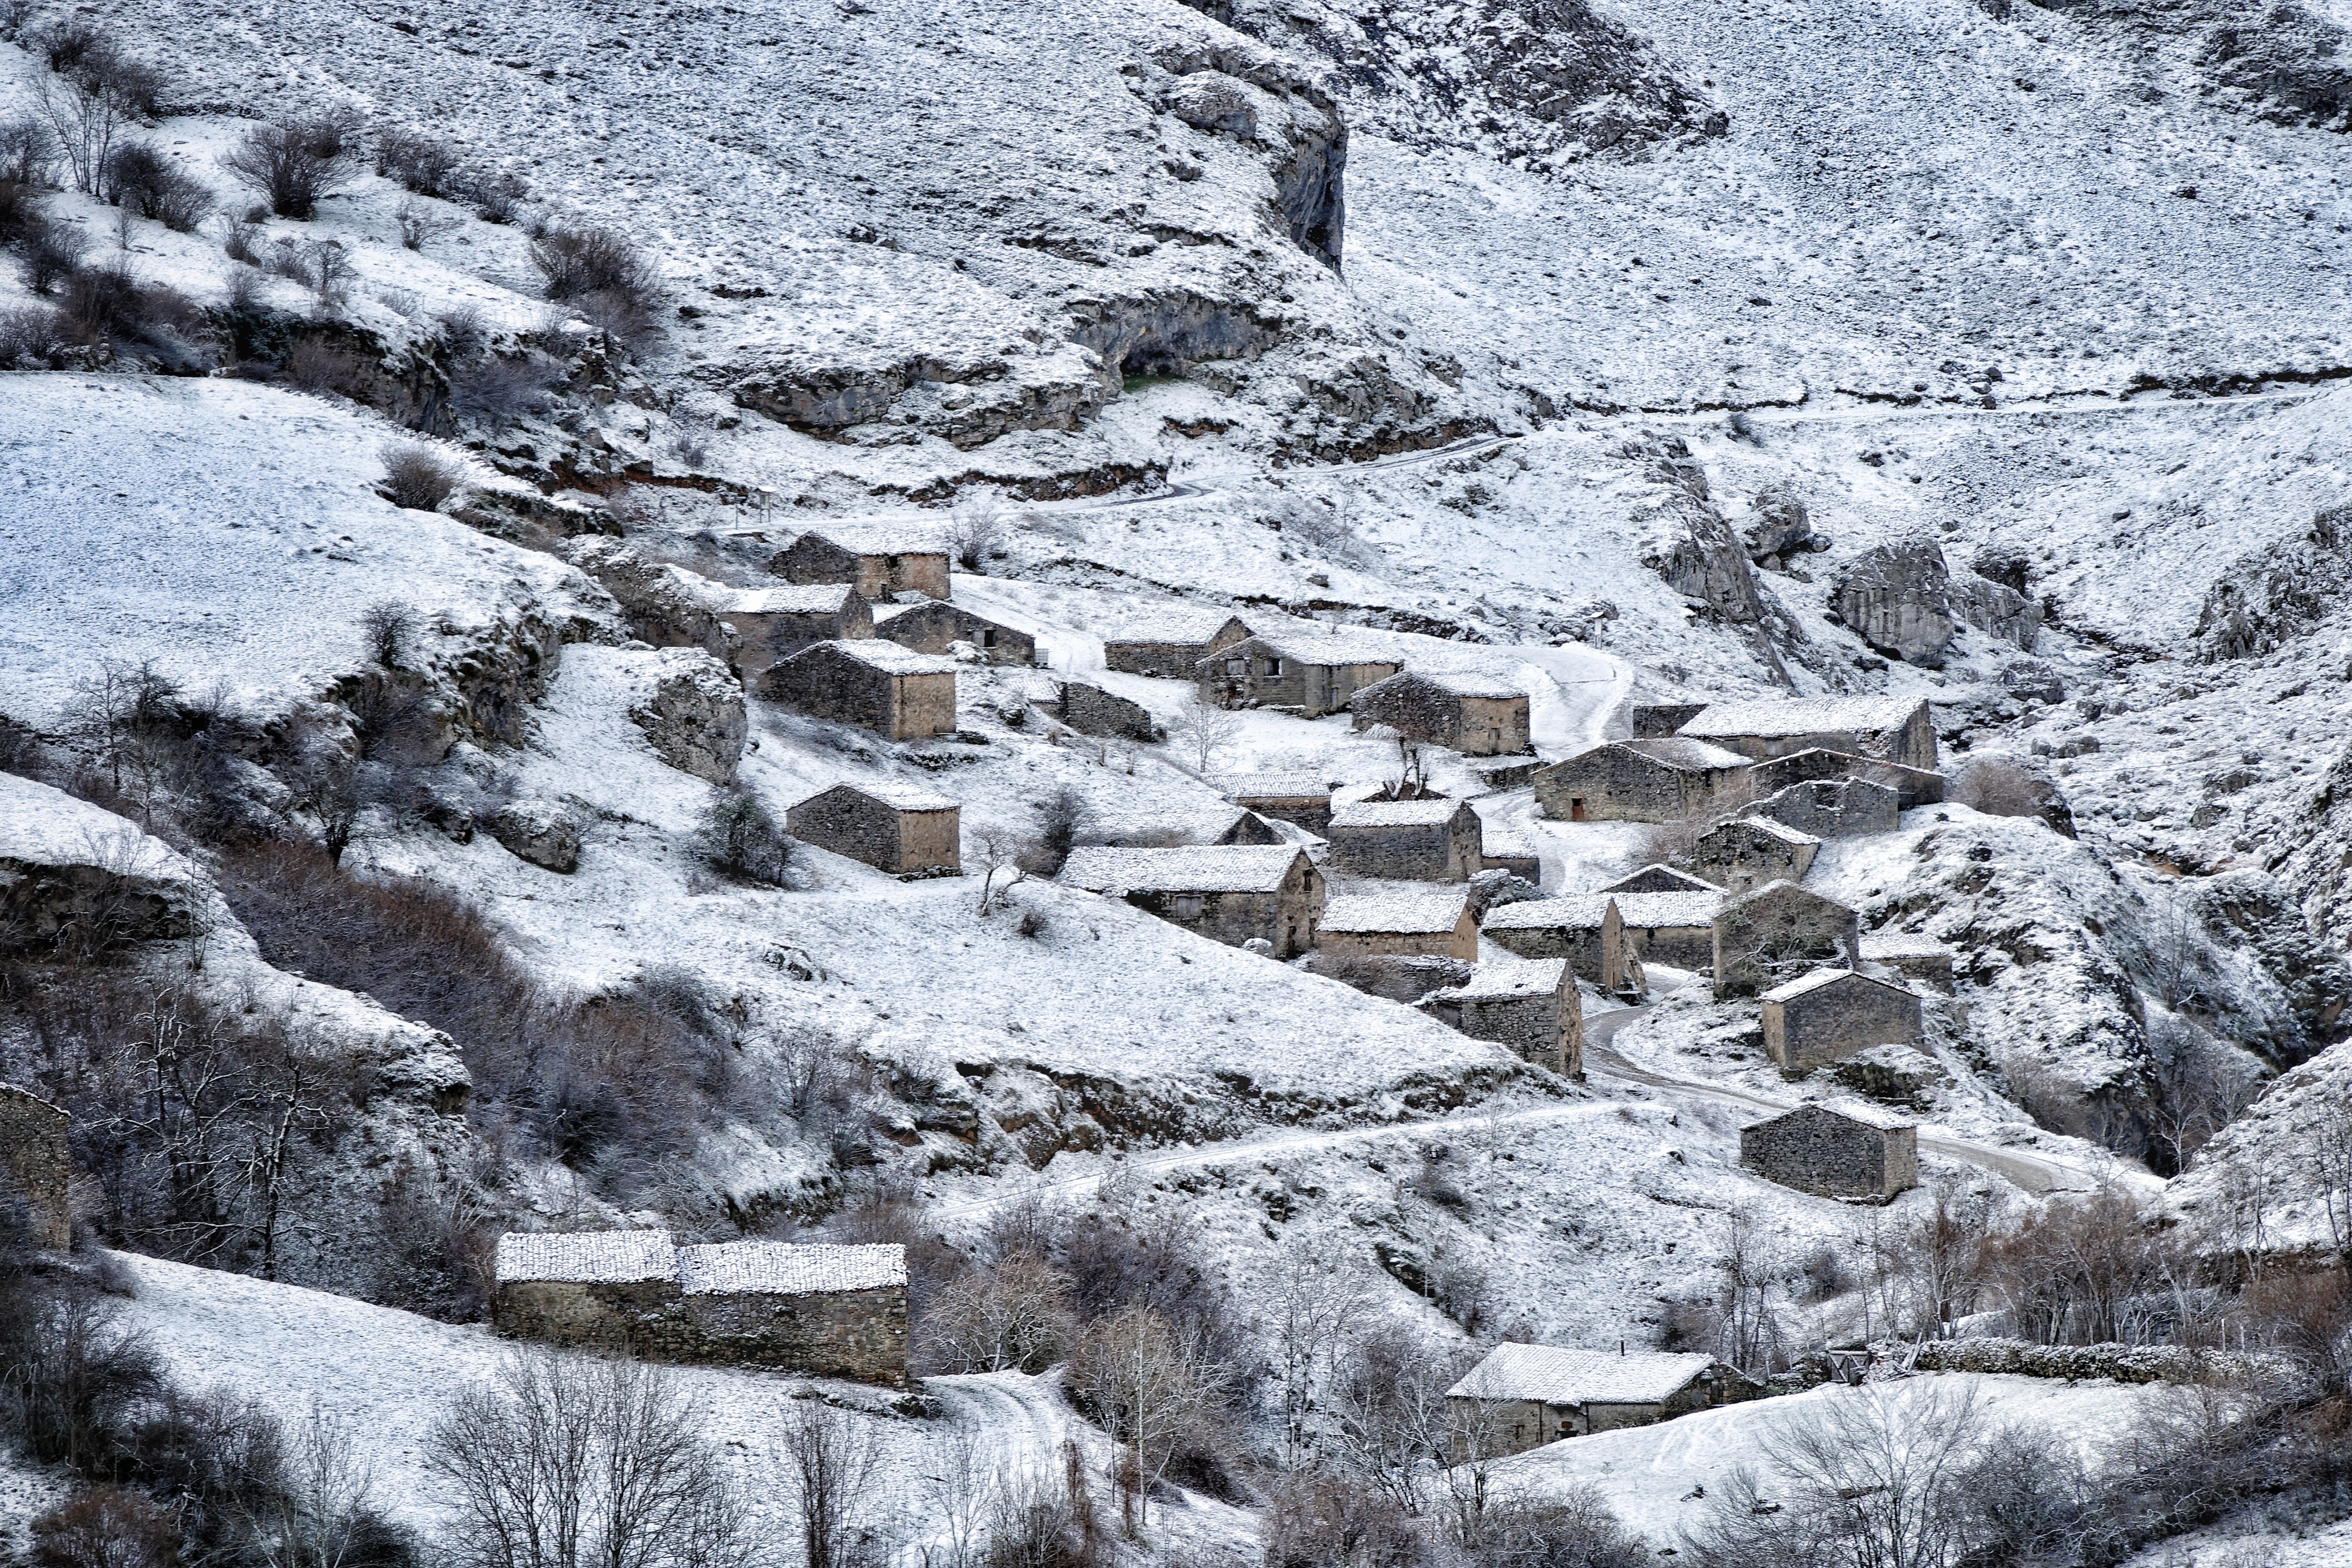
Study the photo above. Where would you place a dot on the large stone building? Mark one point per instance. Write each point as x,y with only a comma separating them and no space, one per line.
1169,643
1892,729
1582,928
880,560
1313,672
874,684
1831,1014
1641,781
1833,809
1432,840
1523,1396
900,828
1844,1150
1234,894
1478,716
773,624
1912,786
1777,932
1747,852
36,1169
1417,923
1174,829
822,1311
936,626
1091,710
1528,1003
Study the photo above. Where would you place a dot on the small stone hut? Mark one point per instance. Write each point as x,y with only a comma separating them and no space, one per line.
1583,928
1228,893
1638,781
1478,716
1653,721
1921,958
1523,1396
1310,672
1660,879
1896,729
1831,1014
1170,642
900,828
1912,786
1175,829
1421,923
880,560
936,626
1843,1150
1744,853
1677,929
1833,809
1301,799
1528,1003
1776,932
1430,840
773,624
898,694
1091,710
36,1169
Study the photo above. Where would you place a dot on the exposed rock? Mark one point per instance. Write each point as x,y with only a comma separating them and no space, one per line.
968,403
2256,914
1703,558
540,831
1779,525
1262,97
2003,564
1996,610
1167,333
1212,100
666,606
2034,681
693,713
93,889
2270,596
2282,62
1893,596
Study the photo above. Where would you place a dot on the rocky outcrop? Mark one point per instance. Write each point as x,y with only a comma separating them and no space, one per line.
2272,595
1894,598
2285,62
1996,610
691,709
541,831
966,402
81,880
667,605
1261,99
1167,333
1779,526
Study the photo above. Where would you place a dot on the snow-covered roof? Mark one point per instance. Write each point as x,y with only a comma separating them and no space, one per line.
1576,911
1432,813
1458,682
892,792
1903,945
922,603
1772,829
1669,873
812,599
1853,1111
1175,828
1649,912
1780,889
18,1091
1678,752
886,656
1419,912
1557,1376
1280,786
881,538
1510,979
1805,984
1804,716
1179,626
781,1269
1332,646
587,1256
1195,868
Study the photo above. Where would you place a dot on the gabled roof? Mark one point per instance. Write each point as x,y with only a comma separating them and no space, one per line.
881,538
587,1256
880,654
893,793
1851,1109
1428,911
780,1268
815,599
1554,1376
1650,911
1432,813
1902,944
1782,889
885,614
1804,716
1575,911
1767,827
1282,786
1178,625
1315,644
1196,868
19,1092
1459,683
1806,984
1512,979
1175,828
1684,880
1684,754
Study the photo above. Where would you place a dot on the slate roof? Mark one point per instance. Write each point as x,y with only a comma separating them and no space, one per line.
815,599
894,794
1853,1111
1903,945
1649,912
1557,1376
1177,828
1281,787
1175,626
1196,868
1421,912
1804,716
1578,912
780,1269
1433,812
587,1256
1510,980
886,656
1805,984
1782,889
1768,827
1456,681
1324,646
1695,884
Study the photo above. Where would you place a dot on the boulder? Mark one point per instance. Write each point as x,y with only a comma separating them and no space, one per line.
1212,100
693,713
1996,610
540,831
1893,596
1778,525
2034,681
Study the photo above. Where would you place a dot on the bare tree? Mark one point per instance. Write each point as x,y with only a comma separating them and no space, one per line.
978,531
1000,849
87,107
830,1461
1314,1303
316,1514
385,628
961,1490
1012,1315
2331,1173
1205,731
1152,1386
1389,1414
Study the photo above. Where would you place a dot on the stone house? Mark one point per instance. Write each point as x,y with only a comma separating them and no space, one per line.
1677,929
1844,1150
1661,880
1229,893
900,828
1421,923
878,685
1640,781
822,1311
1311,672
1301,799
1523,1396
1776,932
1478,716
880,560
773,624
1174,829
1747,852
1091,710
1896,729
1528,1003
1654,720
35,1168
1921,958
1831,808
1429,840
1912,786
1586,929
1831,1014
936,626
1169,643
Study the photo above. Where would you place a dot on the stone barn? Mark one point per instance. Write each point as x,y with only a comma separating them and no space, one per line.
1175,829
1841,1151
1169,643
1301,799
1432,840
773,624
936,626
1528,1003
1421,923
822,1311
1523,1396
1640,781
1833,809
1777,931
1912,786
1676,930
1478,716
900,828
1661,880
1831,1014
1310,672
36,1169
1654,720
1583,928
876,685
1921,959
1745,853
1091,710
1229,893
881,561
1896,729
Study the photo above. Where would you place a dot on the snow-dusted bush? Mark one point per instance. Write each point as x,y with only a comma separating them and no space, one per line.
314,364
26,334
296,165
578,262
494,391
422,163
417,477
140,179
51,252
740,837
28,152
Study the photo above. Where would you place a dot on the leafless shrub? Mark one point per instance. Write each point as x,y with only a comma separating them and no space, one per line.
28,153
498,199
52,250
424,164
1014,1315
831,1462
2085,1271
27,335
91,98
23,209
1387,1412
579,262
313,365
1203,733
1033,1525
107,301
496,391
740,837
241,239
1062,816
142,179
1315,1519
296,165
1154,1387
419,223
1998,787
385,628
978,532
417,477
108,1526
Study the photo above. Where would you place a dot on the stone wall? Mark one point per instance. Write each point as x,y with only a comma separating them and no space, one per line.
885,836
814,559
1654,720
856,1335
1831,1156
1676,947
1091,710
1423,711
1615,784
1250,674
1169,661
1838,1019
1833,809
1741,855
937,626
769,636
1449,851
36,1169
926,706
1912,786
1547,1030
1406,979
1775,933
1311,812
1285,919
826,683
1584,947
1461,943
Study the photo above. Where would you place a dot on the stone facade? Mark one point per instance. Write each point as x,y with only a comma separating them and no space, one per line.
1834,1153
1833,809
1831,1014
1300,800
891,826
1654,721
1314,673
1777,931
1744,853
1475,718
773,624
1434,840
1912,786
1675,929
1586,929
1896,729
1420,924
1091,710
876,685
1170,643
1523,1396
878,562
937,625
1640,781
36,1169
1529,1004
1231,894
